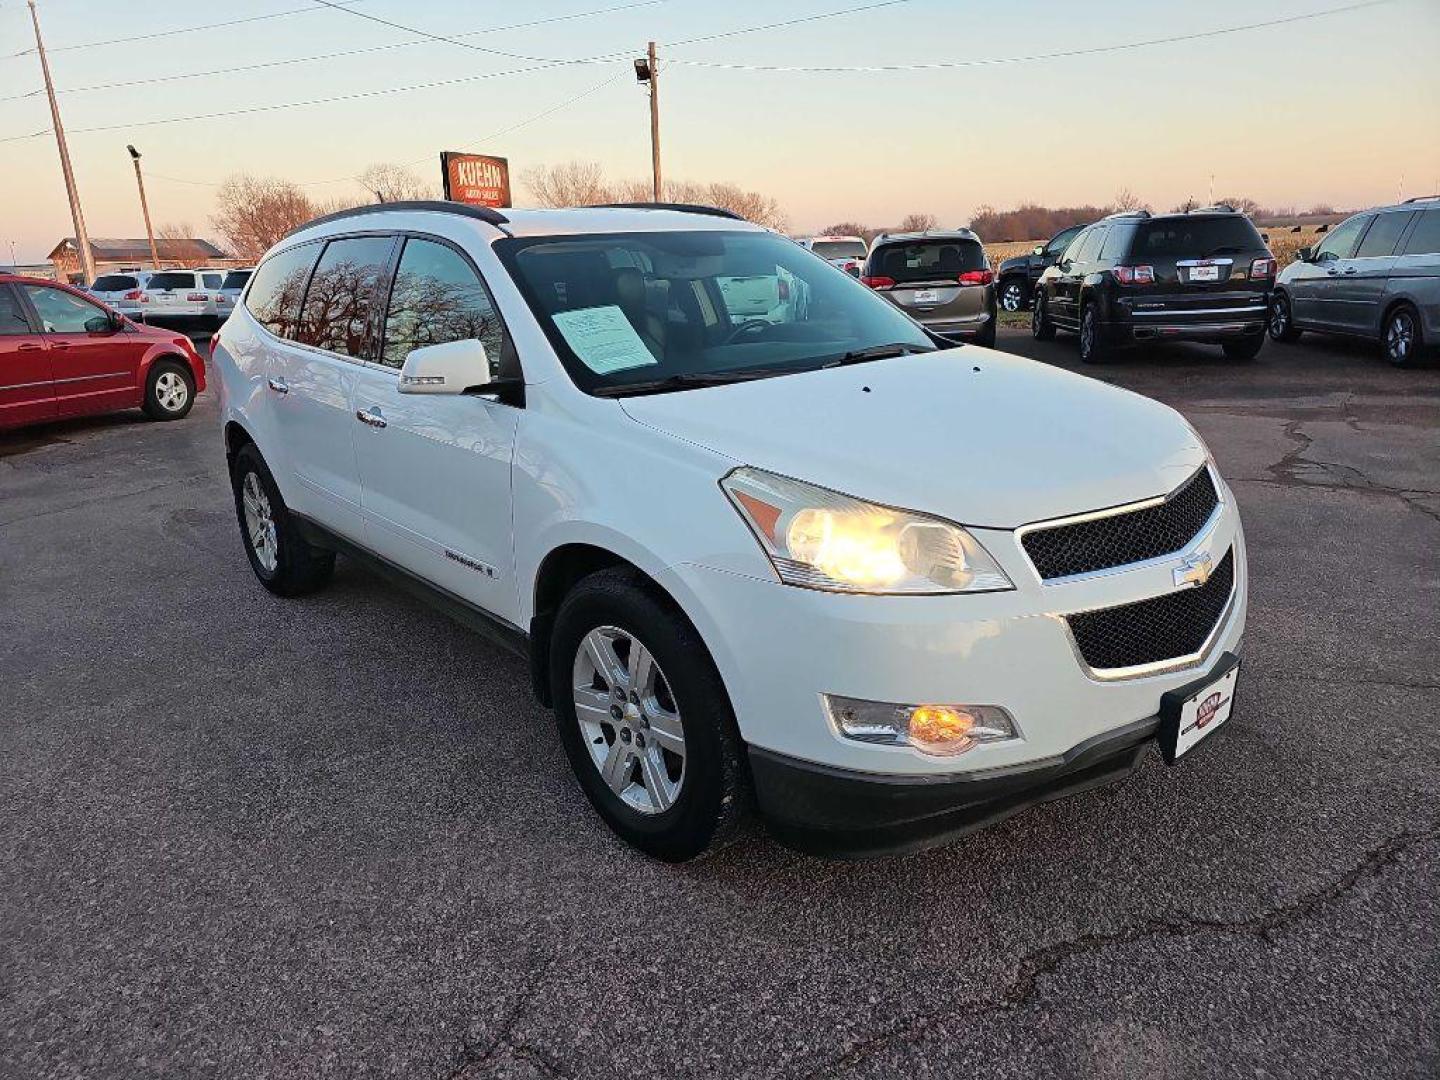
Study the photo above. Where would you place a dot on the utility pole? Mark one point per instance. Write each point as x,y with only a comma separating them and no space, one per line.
647,71
145,208
82,238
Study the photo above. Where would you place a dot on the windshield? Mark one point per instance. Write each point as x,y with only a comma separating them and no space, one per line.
1196,237
638,308
236,279
114,283
927,260
839,249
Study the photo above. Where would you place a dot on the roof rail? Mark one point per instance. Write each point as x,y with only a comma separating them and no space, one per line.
438,206
1421,198
1127,214
684,208
1217,208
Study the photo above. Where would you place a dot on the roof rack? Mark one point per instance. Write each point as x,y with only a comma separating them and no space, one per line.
1421,198
1128,214
683,208
438,206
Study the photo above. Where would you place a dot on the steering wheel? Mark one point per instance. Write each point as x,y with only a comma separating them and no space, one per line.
749,326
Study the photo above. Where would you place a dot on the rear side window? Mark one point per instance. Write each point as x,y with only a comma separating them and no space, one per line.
1090,248
158,282
337,303
279,285
1117,242
1425,240
927,260
437,298
114,283
1196,237
12,316
1383,235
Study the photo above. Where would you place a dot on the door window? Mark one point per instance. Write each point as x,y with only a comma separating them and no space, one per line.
1091,246
1425,240
437,297
12,315
1383,235
1117,243
1341,240
337,303
1072,250
1061,241
62,312
279,284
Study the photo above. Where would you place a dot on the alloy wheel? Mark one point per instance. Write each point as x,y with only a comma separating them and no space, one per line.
1399,337
1012,297
1279,318
259,522
1087,332
629,719
171,391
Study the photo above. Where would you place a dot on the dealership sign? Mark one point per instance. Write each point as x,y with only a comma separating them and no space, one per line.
476,178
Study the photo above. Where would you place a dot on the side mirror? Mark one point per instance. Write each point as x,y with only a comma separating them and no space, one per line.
1039,249
117,322
100,324
1303,254
451,368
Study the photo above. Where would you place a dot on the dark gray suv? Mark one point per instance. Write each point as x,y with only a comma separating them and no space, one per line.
1376,276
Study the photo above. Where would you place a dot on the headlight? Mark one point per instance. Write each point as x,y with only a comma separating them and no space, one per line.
821,539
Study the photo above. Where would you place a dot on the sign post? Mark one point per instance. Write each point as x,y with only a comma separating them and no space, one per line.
475,179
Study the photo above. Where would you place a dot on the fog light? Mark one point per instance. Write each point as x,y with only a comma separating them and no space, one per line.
941,730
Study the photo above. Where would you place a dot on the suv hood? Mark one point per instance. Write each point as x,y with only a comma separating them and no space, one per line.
979,437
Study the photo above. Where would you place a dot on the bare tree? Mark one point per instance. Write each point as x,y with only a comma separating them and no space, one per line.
1247,206
851,228
1125,199
253,212
918,222
571,183
176,230
395,183
1190,203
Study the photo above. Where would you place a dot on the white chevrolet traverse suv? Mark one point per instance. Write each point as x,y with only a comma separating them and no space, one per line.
817,562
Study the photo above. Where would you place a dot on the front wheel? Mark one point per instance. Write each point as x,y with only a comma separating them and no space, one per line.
1282,320
169,391
1401,337
1013,294
645,719
1041,328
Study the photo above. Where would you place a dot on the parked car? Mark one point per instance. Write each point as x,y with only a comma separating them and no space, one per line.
1016,277
63,354
111,288
846,252
691,528
177,297
1375,276
941,279
1138,277
231,286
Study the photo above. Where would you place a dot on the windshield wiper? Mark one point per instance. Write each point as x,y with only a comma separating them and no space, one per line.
876,352
689,380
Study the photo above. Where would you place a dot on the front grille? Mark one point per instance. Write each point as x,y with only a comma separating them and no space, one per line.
1121,539
1152,631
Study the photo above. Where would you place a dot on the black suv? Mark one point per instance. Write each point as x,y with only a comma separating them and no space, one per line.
1017,276
1205,275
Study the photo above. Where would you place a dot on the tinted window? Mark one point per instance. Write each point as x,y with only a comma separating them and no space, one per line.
1072,249
1425,240
1383,235
235,279
1341,240
170,281
62,312
1196,237
839,249
1117,243
212,281
438,298
926,260
12,316
274,297
1090,248
1061,240
337,303
115,283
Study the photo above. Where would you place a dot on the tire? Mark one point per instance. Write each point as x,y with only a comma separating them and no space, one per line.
169,391
986,338
1401,339
1014,294
284,561
1243,349
1092,349
672,806
1281,324
1041,328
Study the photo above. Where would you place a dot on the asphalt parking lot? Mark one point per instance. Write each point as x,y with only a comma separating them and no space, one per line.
250,837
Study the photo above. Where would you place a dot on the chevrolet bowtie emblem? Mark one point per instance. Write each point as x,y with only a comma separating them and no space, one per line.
1195,571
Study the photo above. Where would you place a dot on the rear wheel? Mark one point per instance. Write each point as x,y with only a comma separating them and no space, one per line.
1282,320
282,559
644,718
986,337
1092,349
1244,348
1401,337
1041,328
1013,294
169,391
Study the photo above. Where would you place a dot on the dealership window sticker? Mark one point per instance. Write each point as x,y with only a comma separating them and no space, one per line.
603,339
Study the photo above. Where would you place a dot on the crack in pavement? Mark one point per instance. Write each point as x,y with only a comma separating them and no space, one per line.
473,1058
1024,986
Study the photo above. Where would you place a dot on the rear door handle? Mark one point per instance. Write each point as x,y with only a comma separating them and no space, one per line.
280,386
370,416
1351,269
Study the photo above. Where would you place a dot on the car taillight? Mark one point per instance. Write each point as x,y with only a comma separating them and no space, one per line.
133,294
977,277
878,282
1134,275
852,268
783,288
1263,268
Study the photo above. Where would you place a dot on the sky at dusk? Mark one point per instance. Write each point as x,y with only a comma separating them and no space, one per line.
1343,109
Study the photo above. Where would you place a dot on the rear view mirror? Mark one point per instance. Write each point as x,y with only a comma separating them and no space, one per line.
451,368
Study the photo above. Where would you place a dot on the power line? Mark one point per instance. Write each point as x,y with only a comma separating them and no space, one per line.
787,22
942,65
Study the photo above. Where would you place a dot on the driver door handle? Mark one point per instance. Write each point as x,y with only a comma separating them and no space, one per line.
280,386
371,416
1351,269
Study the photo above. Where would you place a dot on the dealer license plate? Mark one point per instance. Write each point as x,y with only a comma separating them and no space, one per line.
927,296
1197,710
1204,273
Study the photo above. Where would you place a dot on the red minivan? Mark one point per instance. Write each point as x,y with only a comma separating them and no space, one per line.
63,354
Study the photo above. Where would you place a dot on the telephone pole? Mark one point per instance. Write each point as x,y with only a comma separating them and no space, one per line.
646,71
82,238
145,208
